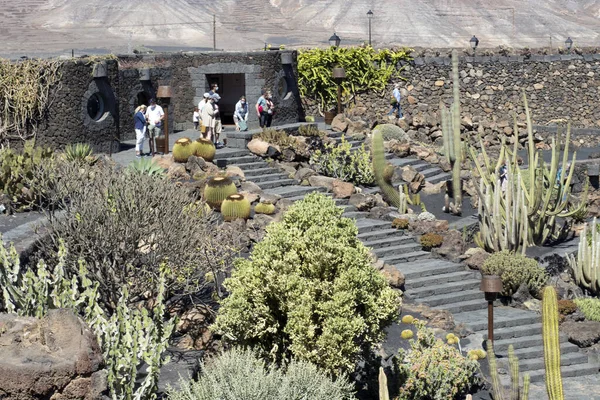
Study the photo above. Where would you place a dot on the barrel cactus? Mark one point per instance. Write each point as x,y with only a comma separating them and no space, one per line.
234,207
264,208
182,150
217,189
204,148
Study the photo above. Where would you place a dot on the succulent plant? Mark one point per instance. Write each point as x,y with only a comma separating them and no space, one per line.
264,208
235,206
551,338
586,266
146,166
408,319
407,334
78,152
217,189
182,150
204,148
431,240
400,223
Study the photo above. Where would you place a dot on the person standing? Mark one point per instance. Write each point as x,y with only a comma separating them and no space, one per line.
240,116
218,126
270,109
140,129
154,115
396,101
208,115
201,105
261,109
196,118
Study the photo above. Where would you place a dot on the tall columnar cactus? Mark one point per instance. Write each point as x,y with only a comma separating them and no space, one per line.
513,361
384,393
551,338
403,200
586,267
379,170
546,187
452,142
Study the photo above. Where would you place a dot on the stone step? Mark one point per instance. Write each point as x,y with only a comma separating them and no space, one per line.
567,372
533,364
260,171
347,207
406,257
381,234
441,279
452,298
504,317
294,190
442,177
432,171
335,134
388,241
464,306
516,332
276,183
538,351
501,345
370,225
428,268
241,160
356,214
258,164
443,288
269,178
229,153
398,250
404,162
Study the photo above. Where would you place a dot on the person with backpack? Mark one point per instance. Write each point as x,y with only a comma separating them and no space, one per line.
395,102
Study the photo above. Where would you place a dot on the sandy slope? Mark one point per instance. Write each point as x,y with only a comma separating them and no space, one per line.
55,25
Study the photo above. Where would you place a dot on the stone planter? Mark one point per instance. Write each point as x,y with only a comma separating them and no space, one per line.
100,70
144,74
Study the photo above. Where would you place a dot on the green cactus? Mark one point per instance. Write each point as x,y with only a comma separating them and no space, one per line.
586,267
384,393
452,143
204,148
235,206
217,189
379,166
551,338
182,150
264,208
403,199
513,362
78,152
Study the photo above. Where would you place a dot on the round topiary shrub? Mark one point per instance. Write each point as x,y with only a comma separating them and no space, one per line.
515,270
235,206
431,240
204,148
217,189
182,150
391,131
264,208
309,291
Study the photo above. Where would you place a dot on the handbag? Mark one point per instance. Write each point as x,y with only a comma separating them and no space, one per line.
260,109
243,126
393,101
202,127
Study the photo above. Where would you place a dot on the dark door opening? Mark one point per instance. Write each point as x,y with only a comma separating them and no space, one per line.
231,88
142,98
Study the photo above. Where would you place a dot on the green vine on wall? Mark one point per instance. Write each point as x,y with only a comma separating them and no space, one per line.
366,69
25,95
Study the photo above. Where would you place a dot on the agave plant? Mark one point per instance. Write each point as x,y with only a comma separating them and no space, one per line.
78,152
146,166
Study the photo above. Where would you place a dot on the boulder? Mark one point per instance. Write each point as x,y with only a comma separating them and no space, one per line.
54,357
417,183
258,147
250,187
321,181
251,197
394,277
195,165
304,173
234,170
339,123
287,168
342,190
355,127
269,198
362,202
177,172
583,334
431,188
408,173
452,247
420,226
164,161
257,226
426,216
476,258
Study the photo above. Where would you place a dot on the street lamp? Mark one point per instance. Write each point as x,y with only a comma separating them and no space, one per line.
491,286
339,74
474,43
334,40
569,44
370,16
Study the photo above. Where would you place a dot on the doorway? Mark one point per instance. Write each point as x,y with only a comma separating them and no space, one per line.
231,88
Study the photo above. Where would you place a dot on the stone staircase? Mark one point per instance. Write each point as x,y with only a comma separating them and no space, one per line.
437,283
432,173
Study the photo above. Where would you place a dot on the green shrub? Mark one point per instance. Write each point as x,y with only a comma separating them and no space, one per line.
434,370
431,240
310,131
338,161
78,152
308,291
146,166
400,223
241,374
277,138
128,338
19,178
590,308
391,132
514,270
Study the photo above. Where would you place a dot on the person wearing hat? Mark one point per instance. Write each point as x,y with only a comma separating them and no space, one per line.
154,115
217,126
395,102
201,104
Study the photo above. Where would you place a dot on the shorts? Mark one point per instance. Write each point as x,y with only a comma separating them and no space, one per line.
153,131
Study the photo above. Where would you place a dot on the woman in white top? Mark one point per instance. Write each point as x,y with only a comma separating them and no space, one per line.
208,119
241,114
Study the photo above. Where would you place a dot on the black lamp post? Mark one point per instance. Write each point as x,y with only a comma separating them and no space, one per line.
334,40
370,16
474,43
569,44
491,285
